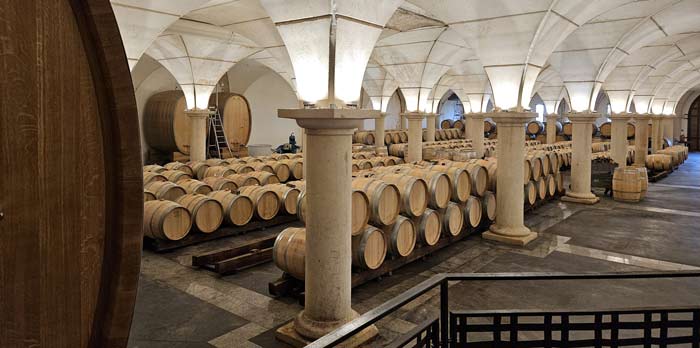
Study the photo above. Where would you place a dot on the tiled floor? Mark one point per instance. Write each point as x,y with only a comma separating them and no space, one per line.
180,306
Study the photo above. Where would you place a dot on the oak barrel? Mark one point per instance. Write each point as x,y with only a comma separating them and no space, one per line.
238,210
166,126
413,191
445,124
384,199
459,179
488,205
165,220
287,195
165,190
439,189
369,248
179,166
243,180
242,168
530,193
452,219
175,175
148,196
235,113
218,183
149,177
218,171
280,169
195,186
266,202
541,184
534,127
199,169
207,213
401,237
428,227
472,212
627,184
265,178
289,251
154,168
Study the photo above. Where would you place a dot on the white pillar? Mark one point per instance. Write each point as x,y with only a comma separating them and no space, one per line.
641,139
415,136
475,127
198,134
380,147
328,224
656,133
552,128
509,227
618,139
430,119
580,192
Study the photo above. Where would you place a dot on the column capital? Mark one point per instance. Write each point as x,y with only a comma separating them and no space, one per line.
623,116
582,117
511,118
431,115
641,117
552,116
327,118
416,115
657,117
196,113
382,114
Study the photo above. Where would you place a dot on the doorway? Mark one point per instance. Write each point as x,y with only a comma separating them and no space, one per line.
694,126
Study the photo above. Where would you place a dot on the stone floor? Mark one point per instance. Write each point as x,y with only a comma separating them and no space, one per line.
180,306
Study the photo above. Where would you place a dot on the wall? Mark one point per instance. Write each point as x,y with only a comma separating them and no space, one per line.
392,119
265,95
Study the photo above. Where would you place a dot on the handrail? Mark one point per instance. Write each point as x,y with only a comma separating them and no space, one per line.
372,316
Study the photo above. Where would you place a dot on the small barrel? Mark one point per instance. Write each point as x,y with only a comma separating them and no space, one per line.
262,167
605,129
296,168
413,191
439,189
289,251
458,124
166,190
534,127
360,210
535,166
280,169
369,248
479,176
148,196
472,212
215,162
401,237
403,135
242,168
243,180
530,193
266,203
559,179
445,124
659,162
363,137
238,210
218,171
541,184
165,220
551,185
154,168
568,128
459,179
207,213
265,178
384,199
195,186
198,168
489,126
644,180
630,130
251,159
179,166
288,197
218,183
175,175
452,219
149,177
428,227
627,184
488,205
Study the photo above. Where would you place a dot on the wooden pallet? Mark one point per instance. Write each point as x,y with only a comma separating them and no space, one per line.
159,245
656,176
232,260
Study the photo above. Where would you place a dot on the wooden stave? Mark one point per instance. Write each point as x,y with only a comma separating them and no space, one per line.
225,98
166,190
410,188
162,112
452,219
194,202
262,200
488,200
290,262
195,186
179,166
227,199
430,219
378,190
218,183
530,193
153,223
243,180
395,234
472,205
359,248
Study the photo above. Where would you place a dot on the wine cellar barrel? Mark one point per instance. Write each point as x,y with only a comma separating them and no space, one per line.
238,210
472,212
605,129
489,126
288,197
166,190
445,124
488,205
235,113
288,252
369,248
627,184
72,209
401,237
166,127
218,183
149,177
384,199
195,186
165,220
534,128
428,227
243,180
452,219
179,166
207,213
413,191
530,193
459,179
266,202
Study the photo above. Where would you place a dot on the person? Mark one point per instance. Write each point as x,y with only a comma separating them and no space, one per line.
292,140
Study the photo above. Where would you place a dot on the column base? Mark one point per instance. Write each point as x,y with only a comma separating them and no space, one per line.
295,332
520,236
581,198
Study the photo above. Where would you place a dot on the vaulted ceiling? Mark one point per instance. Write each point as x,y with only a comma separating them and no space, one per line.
644,52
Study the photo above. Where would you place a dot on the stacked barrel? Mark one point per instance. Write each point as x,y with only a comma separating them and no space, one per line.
667,159
369,160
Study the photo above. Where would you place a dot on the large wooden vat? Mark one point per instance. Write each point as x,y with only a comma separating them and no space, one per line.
235,113
72,210
166,127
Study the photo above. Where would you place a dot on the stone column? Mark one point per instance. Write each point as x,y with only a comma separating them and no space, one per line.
415,136
618,138
475,127
198,134
379,126
641,139
552,128
668,127
430,119
509,227
328,225
657,133
580,192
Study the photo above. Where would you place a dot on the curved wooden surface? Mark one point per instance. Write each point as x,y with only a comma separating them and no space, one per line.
70,242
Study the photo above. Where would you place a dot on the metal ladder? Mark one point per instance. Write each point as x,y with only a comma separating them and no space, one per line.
216,137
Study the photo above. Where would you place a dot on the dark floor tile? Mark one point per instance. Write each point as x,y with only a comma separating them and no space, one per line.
167,344
164,313
267,339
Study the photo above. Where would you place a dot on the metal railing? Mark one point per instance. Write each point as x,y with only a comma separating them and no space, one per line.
456,334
